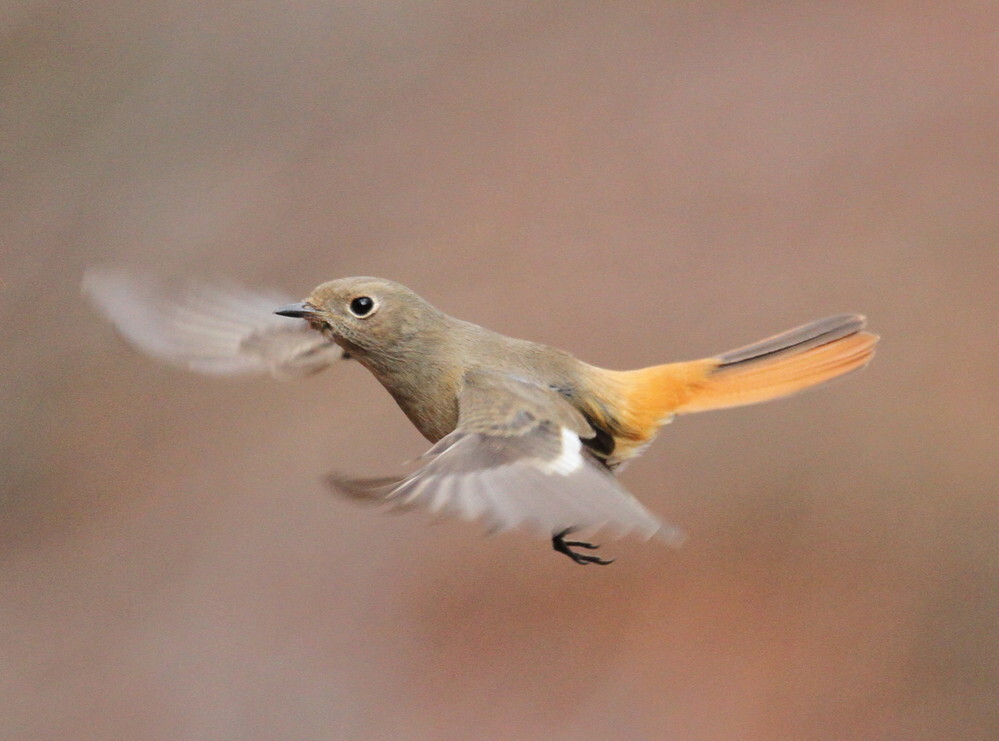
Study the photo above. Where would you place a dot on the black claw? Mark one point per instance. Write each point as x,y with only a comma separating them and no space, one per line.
581,544
565,547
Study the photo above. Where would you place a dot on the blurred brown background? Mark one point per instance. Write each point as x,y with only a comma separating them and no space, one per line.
635,182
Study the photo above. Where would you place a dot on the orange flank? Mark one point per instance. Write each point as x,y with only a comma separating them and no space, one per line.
649,397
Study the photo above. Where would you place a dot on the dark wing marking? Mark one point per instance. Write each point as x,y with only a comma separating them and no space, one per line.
515,459
213,329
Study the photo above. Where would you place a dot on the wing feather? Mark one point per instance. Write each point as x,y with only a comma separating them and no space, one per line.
213,329
515,459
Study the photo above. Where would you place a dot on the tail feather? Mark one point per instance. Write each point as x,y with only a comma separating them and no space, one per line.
777,372
796,340
777,366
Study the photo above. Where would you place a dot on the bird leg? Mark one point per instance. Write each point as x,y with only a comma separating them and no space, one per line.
560,544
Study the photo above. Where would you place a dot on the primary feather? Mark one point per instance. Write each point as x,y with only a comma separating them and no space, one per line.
216,329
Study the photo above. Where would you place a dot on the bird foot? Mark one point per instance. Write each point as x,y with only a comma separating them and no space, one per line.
560,544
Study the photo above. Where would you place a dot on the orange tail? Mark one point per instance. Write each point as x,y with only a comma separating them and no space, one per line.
784,364
778,366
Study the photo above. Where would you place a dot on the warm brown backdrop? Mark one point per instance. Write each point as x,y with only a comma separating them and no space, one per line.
636,182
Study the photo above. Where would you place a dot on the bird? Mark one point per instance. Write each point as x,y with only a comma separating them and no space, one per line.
522,434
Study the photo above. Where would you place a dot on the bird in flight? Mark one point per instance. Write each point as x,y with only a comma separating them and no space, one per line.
523,434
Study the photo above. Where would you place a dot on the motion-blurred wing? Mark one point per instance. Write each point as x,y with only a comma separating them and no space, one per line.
515,458
214,329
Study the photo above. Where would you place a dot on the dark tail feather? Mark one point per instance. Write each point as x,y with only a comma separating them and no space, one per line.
784,364
796,340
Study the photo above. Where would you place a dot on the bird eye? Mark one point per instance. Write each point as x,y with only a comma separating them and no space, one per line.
362,306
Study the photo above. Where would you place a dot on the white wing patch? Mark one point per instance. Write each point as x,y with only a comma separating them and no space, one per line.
571,457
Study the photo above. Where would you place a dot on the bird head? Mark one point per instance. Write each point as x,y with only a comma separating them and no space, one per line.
370,317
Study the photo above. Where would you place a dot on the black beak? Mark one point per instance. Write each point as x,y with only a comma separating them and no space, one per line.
299,310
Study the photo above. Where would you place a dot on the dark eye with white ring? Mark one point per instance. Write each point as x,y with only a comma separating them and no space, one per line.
362,306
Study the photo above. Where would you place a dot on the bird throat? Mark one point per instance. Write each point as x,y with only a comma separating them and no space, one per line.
426,391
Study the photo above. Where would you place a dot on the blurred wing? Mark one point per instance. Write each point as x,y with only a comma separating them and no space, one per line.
515,458
214,329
